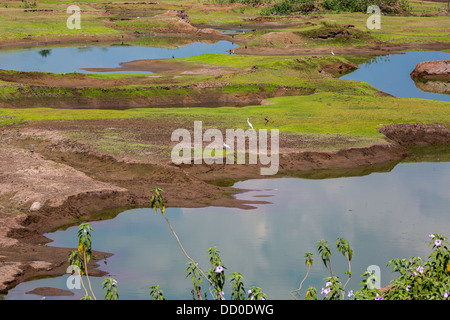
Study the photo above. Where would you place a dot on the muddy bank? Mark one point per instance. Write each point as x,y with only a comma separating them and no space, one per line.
432,76
167,67
205,94
418,134
62,39
432,70
72,182
377,49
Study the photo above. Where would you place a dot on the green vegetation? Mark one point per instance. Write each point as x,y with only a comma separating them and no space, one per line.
323,107
418,279
114,19
390,7
323,113
337,107
17,24
286,7
79,259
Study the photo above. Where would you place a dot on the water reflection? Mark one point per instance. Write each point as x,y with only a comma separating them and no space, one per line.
391,74
383,215
433,86
44,53
70,59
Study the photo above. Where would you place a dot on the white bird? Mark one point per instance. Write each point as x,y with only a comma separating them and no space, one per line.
226,146
332,52
249,123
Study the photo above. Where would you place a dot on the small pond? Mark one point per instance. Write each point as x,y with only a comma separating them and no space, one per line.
391,74
383,215
74,58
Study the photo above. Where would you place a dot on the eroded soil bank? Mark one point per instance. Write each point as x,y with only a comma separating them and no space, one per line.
71,181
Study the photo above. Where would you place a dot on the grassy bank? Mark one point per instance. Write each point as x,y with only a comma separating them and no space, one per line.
336,107
47,21
234,76
320,113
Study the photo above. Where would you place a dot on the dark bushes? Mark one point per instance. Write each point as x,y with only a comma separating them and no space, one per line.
287,7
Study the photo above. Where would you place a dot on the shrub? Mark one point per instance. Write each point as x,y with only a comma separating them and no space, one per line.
286,7
418,280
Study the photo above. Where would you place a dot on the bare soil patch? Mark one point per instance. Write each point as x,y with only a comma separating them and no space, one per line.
432,70
167,67
418,134
49,291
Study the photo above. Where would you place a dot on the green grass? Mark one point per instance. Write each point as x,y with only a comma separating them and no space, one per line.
400,29
294,71
297,71
15,24
338,107
348,114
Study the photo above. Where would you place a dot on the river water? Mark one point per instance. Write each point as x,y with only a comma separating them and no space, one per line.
383,215
60,59
391,74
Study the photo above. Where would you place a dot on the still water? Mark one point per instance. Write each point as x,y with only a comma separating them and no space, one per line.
383,216
391,74
70,59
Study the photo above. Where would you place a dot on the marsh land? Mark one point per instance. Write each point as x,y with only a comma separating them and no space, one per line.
76,143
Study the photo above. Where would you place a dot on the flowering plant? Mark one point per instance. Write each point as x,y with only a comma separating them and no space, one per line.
421,279
418,279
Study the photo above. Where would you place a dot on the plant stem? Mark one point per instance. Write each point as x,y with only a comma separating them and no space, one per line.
87,275
301,283
82,283
349,270
185,253
329,264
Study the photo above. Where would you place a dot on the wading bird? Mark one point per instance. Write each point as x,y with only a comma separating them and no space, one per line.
248,121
